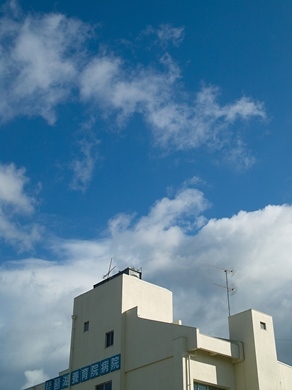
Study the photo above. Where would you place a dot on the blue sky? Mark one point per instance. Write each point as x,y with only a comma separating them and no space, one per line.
154,133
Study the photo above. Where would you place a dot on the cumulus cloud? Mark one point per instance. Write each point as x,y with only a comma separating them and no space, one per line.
34,300
34,377
174,244
16,204
189,203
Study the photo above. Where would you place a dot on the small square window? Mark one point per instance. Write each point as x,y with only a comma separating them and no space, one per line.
109,338
86,326
263,325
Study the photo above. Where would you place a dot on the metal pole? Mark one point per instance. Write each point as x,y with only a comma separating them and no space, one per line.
227,289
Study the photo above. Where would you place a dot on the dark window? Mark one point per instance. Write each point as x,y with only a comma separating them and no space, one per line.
86,326
104,386
263,325
109,338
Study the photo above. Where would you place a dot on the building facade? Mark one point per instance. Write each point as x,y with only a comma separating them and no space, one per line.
124,338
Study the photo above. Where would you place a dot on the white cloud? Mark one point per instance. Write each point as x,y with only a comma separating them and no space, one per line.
239,157
189,203
35,306
40,56
98,78
14,205
12,182
176,123
44,63
34,377
83,166
167,34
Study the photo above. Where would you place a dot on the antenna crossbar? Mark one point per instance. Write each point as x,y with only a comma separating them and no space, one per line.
109,270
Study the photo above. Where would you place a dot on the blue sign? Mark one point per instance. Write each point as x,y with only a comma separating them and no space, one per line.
57,383
94,370
75,377
115,362
65,381
105,366
49,384
84,372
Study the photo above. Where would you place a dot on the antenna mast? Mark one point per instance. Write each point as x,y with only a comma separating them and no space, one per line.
229,289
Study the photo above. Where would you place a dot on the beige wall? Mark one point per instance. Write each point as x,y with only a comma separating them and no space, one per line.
151,344
157,354
148,341
260,369
154,302
156,376
285,377
102,308
213,369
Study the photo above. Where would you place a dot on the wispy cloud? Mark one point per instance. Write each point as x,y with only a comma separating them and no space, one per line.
176,123
167,34
40,59
45,62
83,166
239,157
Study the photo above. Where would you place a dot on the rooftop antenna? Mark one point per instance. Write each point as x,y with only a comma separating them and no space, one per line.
106,276
230,289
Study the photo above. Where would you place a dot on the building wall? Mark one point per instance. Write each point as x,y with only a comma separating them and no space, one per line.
154,302
159,354
260,369
285,376
156,376
148,341
101,307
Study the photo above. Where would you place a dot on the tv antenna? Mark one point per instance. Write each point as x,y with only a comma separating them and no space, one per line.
109,270
230,289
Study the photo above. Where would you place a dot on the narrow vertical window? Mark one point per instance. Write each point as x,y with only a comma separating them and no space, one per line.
263,325
109,338
86,326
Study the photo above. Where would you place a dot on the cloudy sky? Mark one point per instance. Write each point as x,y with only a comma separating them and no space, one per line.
154,133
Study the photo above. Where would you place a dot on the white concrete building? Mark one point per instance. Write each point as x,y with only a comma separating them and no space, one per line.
124,338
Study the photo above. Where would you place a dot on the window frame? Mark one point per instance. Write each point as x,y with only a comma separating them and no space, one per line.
104,386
